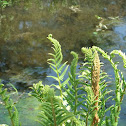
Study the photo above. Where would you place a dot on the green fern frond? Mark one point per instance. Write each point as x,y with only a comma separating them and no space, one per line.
72,91
88,53
74,64
56,64
52,111
121,54
15,116
9,104
38,91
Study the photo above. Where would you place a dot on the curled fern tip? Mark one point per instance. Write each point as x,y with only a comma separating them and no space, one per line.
49,36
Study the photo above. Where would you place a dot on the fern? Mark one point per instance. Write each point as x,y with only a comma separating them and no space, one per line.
90,104
56,64
73,97
98,99
120,83
83,95
52,112
12,111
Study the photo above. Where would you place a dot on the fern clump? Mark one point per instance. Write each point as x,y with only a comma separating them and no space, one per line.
83,95
83,105
53,113
89,105
56,64
94,87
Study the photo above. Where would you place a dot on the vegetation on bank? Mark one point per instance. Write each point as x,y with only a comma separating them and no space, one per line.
82,96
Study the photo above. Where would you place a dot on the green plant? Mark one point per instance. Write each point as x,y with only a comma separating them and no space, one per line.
119,81
3,3
95,87
53,113
56,64
82,96
83,105
88,107
9,105
93,94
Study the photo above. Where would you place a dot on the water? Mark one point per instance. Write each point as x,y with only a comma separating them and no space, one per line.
24,29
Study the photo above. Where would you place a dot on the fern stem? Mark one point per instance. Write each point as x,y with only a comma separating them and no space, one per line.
61,94
87,116
75,109
12,122
53,112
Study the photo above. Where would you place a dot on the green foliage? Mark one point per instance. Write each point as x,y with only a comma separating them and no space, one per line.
119,81
9,105
72,96
86,74
83,84
76,92
56,64
81,104
53,113
83,95
3,3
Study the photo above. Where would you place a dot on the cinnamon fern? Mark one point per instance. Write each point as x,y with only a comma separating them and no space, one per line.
84,93
120,84
95,85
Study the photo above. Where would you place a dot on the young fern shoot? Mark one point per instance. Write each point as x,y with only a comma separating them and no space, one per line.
56,64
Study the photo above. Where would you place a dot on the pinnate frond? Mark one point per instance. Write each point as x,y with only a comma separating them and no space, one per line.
9,104
52,110
56,63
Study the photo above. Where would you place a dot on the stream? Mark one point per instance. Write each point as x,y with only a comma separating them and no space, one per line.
24,46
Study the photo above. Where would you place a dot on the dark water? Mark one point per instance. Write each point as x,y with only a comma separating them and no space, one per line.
24,28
